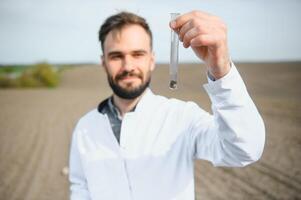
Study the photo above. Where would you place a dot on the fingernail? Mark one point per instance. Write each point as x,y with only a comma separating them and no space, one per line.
173,24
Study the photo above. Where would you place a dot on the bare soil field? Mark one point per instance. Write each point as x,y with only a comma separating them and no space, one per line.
36,127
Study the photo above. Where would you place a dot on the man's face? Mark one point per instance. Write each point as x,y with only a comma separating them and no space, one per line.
128,60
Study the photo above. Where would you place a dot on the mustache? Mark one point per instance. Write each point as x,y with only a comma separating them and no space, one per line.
128,74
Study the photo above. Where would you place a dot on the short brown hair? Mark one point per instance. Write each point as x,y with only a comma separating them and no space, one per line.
120,20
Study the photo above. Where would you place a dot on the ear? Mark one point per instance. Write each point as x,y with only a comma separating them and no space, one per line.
153,61
103,63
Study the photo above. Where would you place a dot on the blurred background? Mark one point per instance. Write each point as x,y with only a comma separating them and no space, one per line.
50,76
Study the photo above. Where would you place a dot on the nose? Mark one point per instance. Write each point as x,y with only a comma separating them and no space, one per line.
128,64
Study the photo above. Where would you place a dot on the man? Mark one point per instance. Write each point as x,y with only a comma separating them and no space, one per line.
138,145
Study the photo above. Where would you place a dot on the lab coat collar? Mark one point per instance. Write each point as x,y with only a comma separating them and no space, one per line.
142,103
145,100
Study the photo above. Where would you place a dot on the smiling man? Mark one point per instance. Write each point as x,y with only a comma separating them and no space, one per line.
128,60
142,146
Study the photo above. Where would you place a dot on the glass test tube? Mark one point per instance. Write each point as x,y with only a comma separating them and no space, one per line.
174,55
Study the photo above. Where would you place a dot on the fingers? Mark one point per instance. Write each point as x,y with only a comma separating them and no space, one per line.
189,35
203,40
193,39
183,19
186,28
191,30
206,34
199,28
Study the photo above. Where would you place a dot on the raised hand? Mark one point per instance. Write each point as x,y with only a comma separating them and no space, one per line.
206,34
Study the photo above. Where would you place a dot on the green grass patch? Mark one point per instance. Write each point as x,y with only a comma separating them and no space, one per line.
38,75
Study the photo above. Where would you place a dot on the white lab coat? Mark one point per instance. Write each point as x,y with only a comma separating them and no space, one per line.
159,142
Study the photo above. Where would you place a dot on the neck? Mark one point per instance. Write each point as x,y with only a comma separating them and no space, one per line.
125,105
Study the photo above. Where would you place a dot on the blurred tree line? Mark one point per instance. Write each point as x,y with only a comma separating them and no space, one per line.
38,75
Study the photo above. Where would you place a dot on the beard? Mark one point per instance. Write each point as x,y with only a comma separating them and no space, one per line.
129,91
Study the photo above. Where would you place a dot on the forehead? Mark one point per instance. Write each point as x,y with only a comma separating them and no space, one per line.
128,38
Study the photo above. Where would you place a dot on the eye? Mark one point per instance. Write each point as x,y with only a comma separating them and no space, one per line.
115,57
138,54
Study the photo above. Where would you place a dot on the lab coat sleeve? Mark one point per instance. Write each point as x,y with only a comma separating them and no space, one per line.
235,134
78,183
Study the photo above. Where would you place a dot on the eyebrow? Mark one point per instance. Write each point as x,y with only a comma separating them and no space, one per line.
112,53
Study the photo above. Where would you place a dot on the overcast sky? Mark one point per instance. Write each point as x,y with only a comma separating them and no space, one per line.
65,31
